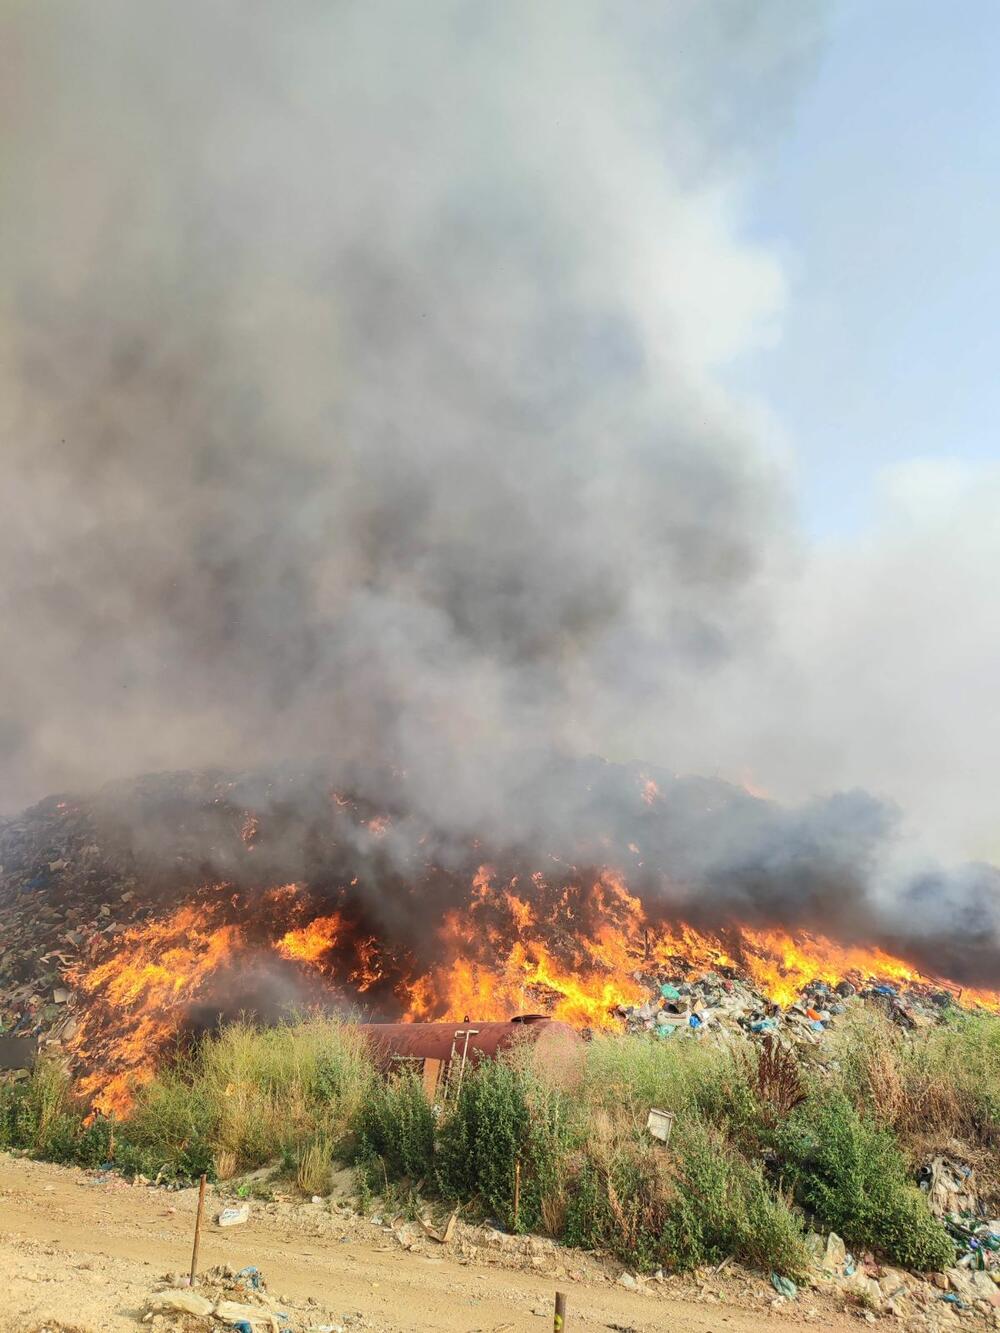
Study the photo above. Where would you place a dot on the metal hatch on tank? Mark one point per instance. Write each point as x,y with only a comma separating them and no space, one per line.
440,1052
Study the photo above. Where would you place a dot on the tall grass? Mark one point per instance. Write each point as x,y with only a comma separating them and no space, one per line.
629,1075
759,1145
944,1082
244,1097
271,1088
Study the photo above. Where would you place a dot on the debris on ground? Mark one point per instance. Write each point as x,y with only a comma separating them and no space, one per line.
236,1300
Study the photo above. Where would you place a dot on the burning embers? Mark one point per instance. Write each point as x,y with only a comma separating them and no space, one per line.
576,947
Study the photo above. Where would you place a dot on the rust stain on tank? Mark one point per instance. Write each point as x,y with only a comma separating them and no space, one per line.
445,1041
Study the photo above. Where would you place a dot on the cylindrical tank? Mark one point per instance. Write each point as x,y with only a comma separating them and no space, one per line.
437,1045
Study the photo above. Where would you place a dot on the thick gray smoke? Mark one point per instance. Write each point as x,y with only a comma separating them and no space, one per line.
357,382
360,398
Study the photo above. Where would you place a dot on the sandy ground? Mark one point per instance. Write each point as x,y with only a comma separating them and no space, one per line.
83,1253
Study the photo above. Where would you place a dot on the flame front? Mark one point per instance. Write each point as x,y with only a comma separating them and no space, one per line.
137,997
572,946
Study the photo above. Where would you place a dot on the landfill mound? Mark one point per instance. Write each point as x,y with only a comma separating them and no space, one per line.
315,882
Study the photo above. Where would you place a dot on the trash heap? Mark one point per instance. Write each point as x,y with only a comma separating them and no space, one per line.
723,1006
880,1289
66,887
238,1301
951,1192
76,872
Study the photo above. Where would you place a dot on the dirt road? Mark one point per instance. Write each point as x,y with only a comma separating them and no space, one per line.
83,1253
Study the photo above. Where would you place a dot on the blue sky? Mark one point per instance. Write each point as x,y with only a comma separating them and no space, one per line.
883,199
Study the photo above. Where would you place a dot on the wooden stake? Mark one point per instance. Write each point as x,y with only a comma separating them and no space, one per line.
197,1229
517,1192
560,1320
111,1137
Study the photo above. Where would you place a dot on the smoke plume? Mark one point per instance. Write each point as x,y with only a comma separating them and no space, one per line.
361,398
358,381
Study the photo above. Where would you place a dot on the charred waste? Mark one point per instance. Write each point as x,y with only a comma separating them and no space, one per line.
148,912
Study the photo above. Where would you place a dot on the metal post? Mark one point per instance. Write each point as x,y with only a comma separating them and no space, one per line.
560,1320
197,1229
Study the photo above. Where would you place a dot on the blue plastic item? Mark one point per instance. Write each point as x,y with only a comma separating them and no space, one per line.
784,1286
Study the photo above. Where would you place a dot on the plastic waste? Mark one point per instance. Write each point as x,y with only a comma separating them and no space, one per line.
784,1286
669,992
180,1302
233,1217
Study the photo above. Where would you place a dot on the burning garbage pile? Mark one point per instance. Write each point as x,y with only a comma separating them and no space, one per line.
132,920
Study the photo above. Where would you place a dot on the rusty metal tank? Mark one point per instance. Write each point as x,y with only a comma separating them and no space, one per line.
442,1041
441,1051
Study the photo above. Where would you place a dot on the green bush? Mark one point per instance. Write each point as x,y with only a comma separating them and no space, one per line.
172,1129
18,1121
692,1204
853,1176
396,1125
504,1114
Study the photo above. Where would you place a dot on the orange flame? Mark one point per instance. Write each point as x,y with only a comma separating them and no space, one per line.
309,943
577,949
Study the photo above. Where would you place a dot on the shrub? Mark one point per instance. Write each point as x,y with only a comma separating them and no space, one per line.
171,1130
503,1115
692,1204
396,1125
17,1116
852,1175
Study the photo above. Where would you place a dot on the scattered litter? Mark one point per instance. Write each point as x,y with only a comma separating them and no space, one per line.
180,1302
239,1302
784,1286
234,1217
